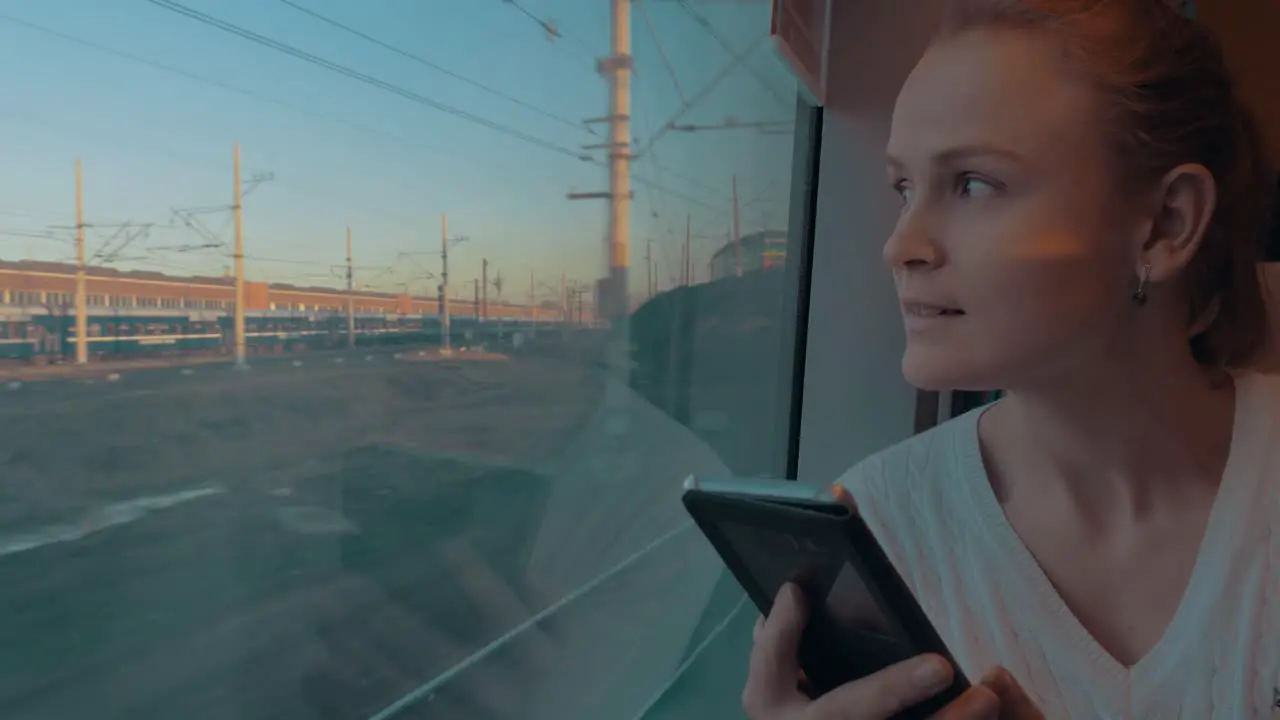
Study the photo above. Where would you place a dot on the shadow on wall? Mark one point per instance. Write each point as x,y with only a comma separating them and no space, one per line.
708,355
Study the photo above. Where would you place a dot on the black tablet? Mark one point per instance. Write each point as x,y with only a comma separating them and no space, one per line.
863,617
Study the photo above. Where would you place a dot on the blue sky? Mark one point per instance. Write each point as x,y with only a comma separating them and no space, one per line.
344,152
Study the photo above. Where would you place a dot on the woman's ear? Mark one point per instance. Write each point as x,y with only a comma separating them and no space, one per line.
1185,201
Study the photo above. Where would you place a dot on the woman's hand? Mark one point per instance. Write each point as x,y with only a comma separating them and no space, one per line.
773,690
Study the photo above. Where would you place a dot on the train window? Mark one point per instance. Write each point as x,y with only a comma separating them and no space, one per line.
380,531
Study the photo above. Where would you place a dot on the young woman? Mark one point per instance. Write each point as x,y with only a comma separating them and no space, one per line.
1083,204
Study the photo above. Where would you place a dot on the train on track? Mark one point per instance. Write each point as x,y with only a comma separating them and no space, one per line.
142,314
44,338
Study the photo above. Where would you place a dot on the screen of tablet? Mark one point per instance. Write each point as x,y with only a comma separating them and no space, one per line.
831,582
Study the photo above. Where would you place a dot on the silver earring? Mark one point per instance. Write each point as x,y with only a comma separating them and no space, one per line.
1140,295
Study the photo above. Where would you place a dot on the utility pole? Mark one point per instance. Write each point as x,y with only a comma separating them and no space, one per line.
484,290
614,306
648,265
564,299
444,284
239,262
351,316
619,66
617,70
687,270
737,231
682,275
475,303
82,302
533,298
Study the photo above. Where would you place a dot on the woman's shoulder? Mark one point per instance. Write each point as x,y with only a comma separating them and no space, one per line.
917,498
924,467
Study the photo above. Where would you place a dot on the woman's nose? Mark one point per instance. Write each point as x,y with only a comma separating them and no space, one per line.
912,246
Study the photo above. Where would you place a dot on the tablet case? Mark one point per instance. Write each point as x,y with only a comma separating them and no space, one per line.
862,615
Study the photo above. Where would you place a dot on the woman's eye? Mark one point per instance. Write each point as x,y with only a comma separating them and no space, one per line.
971,186
904,191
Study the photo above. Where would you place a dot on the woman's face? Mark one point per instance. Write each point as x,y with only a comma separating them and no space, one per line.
1014,257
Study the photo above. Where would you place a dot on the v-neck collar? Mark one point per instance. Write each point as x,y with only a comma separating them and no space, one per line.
1194,614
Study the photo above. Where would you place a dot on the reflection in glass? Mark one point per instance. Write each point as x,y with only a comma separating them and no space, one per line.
424,487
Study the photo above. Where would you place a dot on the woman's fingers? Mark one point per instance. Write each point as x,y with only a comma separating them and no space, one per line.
977,703
774,669
1014,701
888,692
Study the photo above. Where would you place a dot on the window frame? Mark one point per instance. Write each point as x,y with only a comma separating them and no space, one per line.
806,162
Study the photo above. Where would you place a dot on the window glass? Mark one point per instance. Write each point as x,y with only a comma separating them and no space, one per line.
569,226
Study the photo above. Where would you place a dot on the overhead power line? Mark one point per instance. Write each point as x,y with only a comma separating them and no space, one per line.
427,63
676,194
653,33
361,77
700,95
548,27
554,32
646,182
710,29
416,144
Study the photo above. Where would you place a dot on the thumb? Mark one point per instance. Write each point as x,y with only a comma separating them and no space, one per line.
774,666
785,625
1015,703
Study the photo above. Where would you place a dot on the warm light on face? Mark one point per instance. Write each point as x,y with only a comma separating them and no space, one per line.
1007,255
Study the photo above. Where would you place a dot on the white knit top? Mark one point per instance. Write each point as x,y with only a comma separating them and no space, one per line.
931,505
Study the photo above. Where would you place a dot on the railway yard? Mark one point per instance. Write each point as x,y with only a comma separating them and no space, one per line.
363,533
200,542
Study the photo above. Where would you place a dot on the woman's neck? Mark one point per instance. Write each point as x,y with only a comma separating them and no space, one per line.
1118,443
